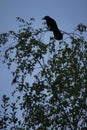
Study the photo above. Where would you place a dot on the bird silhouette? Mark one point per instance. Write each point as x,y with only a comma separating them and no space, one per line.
51,23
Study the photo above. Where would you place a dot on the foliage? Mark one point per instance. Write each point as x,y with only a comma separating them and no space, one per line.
5,116
51,77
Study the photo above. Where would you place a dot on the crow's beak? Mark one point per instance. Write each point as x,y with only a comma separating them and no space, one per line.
43,18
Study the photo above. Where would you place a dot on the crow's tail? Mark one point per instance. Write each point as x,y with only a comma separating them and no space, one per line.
57,34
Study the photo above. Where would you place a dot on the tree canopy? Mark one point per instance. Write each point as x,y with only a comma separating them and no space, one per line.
51,79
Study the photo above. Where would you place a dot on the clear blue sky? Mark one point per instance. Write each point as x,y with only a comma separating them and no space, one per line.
67,13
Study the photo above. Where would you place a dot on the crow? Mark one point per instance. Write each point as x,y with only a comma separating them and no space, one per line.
51,23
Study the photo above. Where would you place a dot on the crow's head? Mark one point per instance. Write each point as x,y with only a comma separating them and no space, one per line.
46,18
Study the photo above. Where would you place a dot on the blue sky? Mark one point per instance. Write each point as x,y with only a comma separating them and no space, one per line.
67,13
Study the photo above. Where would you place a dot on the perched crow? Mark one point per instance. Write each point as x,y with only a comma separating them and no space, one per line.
53,27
